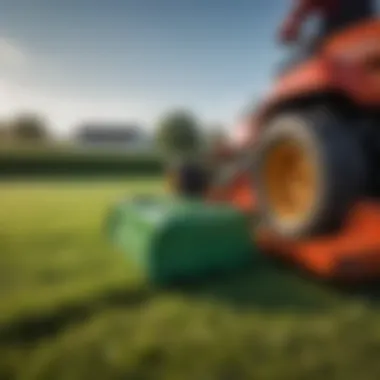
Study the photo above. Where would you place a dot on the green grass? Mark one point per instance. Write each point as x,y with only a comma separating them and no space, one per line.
72,308
53,249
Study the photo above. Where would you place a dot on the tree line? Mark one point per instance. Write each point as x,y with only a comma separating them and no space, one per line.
26,127
178,131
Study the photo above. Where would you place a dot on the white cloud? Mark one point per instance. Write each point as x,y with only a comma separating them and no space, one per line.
11,54
64,113
21,92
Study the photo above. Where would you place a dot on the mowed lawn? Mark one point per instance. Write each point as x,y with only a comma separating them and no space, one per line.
52,243
73,308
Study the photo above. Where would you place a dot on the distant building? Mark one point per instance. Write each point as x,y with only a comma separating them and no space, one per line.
125,137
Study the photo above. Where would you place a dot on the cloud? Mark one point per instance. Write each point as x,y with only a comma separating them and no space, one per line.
64,113
23,90
13,64
11,54
20,92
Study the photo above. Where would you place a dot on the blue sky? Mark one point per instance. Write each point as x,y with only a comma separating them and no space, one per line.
133,59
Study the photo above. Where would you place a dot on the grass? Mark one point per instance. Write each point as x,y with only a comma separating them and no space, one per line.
53,250
73,309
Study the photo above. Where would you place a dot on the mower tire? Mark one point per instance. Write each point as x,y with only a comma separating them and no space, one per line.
309,171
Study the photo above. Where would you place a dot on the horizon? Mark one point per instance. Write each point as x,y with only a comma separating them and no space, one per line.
130,61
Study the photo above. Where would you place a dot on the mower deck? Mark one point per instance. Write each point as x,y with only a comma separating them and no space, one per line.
351,254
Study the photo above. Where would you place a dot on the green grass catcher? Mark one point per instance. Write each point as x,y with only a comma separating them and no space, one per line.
175,239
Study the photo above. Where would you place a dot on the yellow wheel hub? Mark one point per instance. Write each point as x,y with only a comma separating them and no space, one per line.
290,179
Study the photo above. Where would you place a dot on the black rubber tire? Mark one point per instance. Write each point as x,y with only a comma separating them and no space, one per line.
188,179
341,170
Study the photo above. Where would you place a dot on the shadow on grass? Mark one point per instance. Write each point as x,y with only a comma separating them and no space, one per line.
270,286
32,328
277,287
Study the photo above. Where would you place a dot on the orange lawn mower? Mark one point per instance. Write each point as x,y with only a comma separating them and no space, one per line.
303,185
311,169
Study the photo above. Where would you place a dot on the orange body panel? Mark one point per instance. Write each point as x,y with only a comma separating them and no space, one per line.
341,66
351,254
239,193
312,76
347,64
353,37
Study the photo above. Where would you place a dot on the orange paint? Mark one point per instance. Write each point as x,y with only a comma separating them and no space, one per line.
341,66
351,254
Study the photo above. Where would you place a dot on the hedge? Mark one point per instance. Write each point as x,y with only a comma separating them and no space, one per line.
78,165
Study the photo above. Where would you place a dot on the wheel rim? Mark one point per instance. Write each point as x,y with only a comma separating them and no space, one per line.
290,178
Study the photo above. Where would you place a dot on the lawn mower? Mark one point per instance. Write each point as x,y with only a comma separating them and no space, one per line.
303,183
310,166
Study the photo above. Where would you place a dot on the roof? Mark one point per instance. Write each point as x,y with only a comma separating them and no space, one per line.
112,132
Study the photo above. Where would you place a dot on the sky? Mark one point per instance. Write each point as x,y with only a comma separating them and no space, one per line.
77,61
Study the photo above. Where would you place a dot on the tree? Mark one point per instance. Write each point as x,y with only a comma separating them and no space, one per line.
178,133
3,131
28,127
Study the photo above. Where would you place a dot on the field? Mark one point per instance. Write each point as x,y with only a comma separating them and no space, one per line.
72,308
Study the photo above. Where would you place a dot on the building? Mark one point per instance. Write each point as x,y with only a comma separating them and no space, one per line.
123,137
